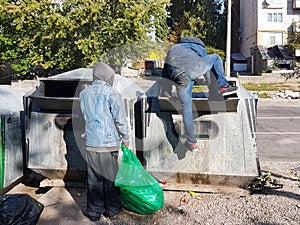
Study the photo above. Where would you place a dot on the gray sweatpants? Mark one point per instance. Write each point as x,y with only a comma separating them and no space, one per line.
103,197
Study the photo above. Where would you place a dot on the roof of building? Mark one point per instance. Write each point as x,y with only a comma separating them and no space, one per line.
275,52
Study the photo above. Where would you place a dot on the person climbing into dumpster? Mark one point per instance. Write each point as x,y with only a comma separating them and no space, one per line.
105,129
186,62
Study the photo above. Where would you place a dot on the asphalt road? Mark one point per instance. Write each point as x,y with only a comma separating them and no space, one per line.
278,130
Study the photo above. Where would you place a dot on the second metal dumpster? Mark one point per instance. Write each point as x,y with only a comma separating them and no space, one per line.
225,131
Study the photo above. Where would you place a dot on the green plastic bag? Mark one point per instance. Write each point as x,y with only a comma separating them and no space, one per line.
140,191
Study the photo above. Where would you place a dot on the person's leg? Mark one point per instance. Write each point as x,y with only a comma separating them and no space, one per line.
184,91
213,86
214,62
95,189
112,200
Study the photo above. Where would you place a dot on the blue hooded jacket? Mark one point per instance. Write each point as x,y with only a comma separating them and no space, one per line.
184,58
103,110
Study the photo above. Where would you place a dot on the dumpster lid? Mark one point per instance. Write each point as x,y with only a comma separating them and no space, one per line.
200,105
59,92
127,87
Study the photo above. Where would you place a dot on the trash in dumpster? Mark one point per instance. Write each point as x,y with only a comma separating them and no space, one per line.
17,209
140,191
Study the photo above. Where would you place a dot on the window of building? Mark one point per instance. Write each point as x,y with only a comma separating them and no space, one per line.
272,38
270,17
296,4
279,17
273,4
275,17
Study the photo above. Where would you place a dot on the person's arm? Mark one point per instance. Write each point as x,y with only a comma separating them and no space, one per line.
119,117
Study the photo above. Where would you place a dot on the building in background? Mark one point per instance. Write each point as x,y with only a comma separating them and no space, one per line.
265,26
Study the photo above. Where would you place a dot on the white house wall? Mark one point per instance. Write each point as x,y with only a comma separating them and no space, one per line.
255,28
272,32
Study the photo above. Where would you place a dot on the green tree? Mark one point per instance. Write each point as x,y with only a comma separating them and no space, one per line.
294,42
76,33
199,18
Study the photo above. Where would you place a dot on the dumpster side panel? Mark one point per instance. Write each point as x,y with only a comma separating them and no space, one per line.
45,147
227,156
13,149
249,135
225,153
53,151
11,155
2,152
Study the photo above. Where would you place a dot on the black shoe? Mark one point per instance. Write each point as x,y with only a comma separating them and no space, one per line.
225,91
94,218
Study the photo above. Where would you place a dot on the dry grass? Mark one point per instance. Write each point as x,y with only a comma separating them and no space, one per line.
276,86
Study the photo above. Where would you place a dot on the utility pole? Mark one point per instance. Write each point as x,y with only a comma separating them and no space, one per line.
228,38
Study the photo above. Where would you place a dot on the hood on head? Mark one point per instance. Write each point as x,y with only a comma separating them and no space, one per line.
193,40
104,72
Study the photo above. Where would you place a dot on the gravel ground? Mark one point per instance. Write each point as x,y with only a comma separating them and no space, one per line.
265,207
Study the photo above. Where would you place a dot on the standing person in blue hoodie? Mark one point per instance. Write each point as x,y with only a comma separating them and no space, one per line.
186,62
105,129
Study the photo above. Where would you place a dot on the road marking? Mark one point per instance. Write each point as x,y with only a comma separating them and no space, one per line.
274,117
278,133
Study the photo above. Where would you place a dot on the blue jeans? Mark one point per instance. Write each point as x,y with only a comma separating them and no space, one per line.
217,68
184,90
210,62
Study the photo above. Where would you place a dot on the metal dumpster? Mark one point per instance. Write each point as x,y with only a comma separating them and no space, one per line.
54,124
11,155
225,131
